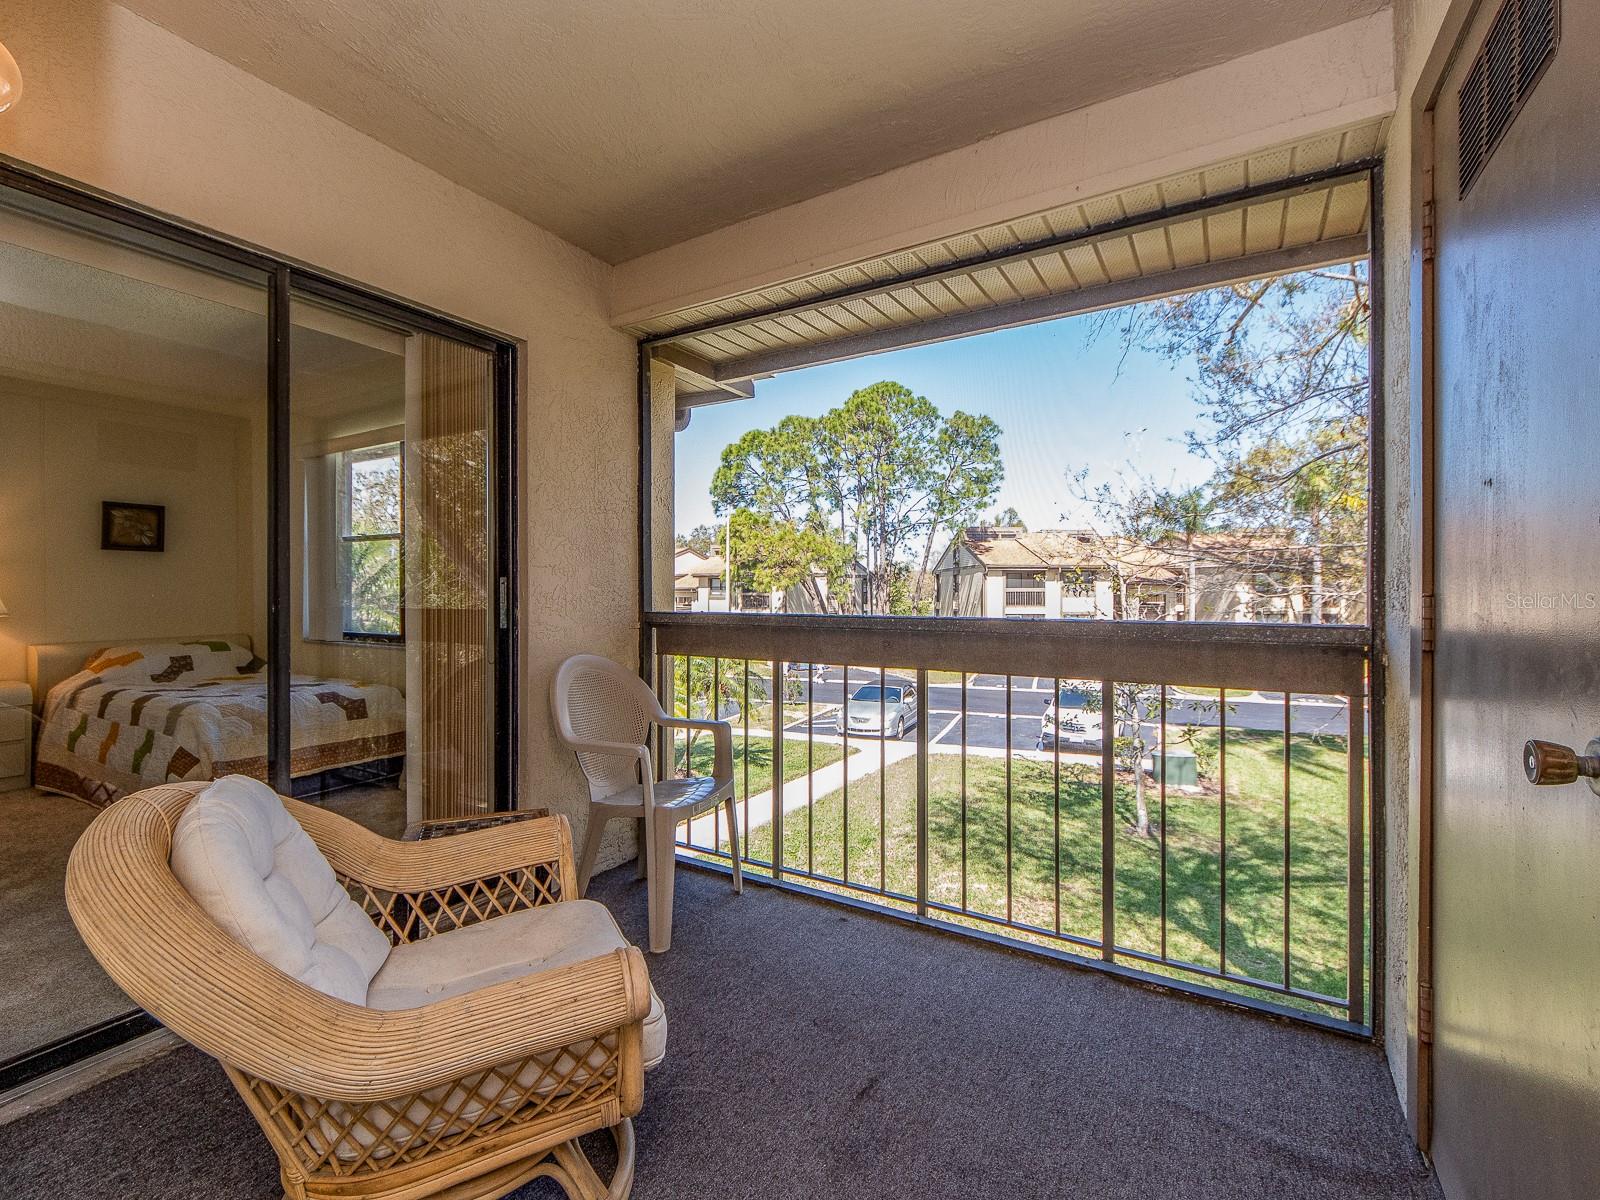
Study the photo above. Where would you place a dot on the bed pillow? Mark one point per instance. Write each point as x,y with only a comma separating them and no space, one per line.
259,876
168,662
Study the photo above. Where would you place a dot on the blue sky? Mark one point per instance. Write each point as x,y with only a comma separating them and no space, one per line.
1058,395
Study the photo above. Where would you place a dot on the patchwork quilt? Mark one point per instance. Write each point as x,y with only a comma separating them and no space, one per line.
137,716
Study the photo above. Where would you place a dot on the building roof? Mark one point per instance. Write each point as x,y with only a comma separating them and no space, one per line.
1006,549
1017,549
688,562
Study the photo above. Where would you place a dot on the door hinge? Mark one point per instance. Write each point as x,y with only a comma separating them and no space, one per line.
1430,622
504,606
1429,235
1425,1013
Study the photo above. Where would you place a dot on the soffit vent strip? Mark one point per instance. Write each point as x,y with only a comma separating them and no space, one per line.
1520,44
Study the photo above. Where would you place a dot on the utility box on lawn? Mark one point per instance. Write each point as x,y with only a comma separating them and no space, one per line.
1176,765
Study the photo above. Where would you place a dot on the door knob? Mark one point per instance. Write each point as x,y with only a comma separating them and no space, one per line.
1551,763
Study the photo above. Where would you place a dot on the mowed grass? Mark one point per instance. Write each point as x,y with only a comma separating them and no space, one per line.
757,752
878,829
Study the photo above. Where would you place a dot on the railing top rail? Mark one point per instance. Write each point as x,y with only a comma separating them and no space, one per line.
1321,659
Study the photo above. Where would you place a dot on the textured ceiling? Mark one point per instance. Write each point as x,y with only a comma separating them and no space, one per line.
628,125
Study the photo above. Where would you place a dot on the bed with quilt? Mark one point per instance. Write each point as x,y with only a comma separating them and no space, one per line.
143,713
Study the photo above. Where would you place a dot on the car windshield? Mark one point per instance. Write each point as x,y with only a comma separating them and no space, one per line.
873,692
1072,698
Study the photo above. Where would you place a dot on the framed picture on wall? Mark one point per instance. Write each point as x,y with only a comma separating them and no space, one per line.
125,526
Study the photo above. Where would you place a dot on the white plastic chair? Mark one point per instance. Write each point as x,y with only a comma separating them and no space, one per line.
604,713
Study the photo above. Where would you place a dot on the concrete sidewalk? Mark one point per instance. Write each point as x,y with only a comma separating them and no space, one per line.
797,793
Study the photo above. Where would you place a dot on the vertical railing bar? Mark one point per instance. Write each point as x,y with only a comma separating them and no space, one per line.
844,814
1055,743
661,741
922,791
688,703
1288,750
685,711
883,783
1108,822
744,711
1009,914
1356,874
688,665
963,791
1222,818
1162,786
777,774
716,813
811,778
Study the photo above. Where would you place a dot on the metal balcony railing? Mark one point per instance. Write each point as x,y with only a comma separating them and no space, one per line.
1025,597
1184,802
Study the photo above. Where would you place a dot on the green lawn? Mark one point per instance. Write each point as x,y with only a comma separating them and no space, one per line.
1255,832
759,756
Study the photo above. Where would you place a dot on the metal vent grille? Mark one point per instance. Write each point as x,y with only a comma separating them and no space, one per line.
1521,42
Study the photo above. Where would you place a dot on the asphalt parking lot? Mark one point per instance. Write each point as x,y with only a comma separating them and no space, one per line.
985,719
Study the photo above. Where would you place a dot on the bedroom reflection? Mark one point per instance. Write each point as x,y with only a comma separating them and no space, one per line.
129,652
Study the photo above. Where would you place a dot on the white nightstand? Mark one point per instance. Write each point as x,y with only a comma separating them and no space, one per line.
16,735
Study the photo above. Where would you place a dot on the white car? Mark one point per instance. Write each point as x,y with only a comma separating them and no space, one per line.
879,710
1069,718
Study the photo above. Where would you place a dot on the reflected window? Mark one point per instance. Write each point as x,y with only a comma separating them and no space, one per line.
369,532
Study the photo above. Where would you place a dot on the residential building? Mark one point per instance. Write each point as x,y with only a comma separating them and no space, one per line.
1080,573
700,584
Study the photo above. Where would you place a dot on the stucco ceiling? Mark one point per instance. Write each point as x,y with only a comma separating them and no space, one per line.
628,125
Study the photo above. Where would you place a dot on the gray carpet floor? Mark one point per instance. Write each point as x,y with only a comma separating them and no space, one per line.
50,985
820,1052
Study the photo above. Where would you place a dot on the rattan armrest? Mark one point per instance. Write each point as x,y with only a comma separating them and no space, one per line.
357,853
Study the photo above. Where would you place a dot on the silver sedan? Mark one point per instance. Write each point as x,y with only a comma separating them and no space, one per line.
879,710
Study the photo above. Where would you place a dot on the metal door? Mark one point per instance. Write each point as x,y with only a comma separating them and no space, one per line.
1517,867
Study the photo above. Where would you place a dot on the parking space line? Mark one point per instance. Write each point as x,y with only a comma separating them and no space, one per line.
954,721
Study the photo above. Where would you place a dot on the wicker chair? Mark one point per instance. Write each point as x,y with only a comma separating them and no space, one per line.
603,714
467,1097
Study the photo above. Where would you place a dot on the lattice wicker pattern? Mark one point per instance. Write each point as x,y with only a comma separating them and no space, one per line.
338,1139
410,916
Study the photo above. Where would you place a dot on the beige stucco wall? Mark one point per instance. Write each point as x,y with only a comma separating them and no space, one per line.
1424,29
119,103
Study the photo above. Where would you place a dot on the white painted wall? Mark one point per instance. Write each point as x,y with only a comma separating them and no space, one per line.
994,594
1326,81
119,103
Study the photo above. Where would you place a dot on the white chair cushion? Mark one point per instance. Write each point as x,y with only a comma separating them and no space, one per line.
523,943
259,876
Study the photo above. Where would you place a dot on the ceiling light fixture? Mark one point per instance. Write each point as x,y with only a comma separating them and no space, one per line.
10,79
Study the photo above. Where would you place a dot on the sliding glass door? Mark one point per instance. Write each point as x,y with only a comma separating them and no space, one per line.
253,520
